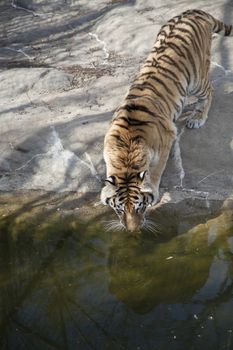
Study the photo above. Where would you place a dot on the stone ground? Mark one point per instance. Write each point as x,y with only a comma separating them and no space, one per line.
66,65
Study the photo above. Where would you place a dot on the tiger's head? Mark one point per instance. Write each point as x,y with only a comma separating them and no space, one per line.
129,196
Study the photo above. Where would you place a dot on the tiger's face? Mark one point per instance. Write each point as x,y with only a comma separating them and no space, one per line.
129,199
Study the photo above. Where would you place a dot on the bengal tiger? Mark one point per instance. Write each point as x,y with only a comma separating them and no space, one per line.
142,131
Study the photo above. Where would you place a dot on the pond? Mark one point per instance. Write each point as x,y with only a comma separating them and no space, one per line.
67,283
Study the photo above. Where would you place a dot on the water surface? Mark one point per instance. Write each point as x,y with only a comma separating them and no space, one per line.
66,283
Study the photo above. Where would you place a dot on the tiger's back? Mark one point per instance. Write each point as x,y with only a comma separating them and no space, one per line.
139,139
179,62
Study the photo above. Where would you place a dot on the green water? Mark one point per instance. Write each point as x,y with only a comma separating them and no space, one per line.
65,283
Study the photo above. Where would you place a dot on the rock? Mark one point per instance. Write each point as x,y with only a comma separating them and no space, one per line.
67,65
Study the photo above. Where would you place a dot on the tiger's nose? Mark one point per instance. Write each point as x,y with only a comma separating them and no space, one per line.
132,224
132,228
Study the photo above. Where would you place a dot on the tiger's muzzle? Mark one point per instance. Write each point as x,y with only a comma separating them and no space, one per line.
133,221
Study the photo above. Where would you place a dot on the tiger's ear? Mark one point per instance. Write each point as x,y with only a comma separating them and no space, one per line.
147,188
108,190
111,180
142,175
146,185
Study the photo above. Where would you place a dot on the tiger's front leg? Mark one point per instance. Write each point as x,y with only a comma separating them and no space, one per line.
156,172
200,113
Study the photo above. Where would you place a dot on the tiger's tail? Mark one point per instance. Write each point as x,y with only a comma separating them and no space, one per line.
221,28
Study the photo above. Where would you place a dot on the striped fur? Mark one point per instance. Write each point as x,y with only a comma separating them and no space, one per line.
139,139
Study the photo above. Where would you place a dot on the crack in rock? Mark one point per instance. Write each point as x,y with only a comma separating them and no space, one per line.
90,166
212,174
34,13
20,51
30,160
104,47
58,169
57,148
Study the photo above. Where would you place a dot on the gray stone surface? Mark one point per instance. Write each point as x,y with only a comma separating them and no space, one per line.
64,68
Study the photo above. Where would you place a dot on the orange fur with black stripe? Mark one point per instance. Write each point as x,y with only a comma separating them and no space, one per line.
141,134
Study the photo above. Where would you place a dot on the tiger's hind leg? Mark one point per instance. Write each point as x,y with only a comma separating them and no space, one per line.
199,115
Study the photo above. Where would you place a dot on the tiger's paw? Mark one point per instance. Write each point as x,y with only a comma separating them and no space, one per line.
195,122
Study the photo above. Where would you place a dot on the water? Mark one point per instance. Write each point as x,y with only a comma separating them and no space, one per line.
65,283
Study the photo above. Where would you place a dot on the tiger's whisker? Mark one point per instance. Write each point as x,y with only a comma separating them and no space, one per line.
156,227
113,225
151,226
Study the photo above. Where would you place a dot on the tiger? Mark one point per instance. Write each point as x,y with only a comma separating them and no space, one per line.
139,139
